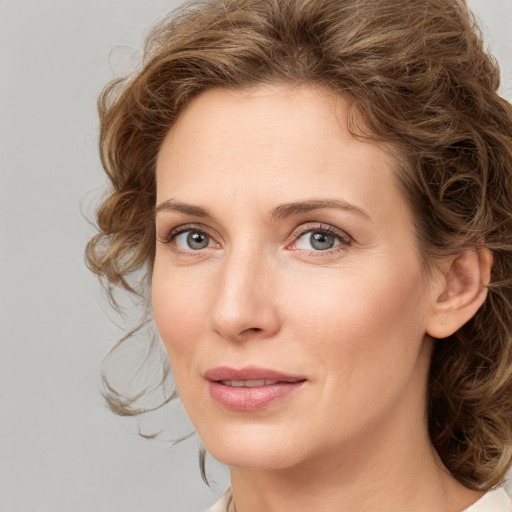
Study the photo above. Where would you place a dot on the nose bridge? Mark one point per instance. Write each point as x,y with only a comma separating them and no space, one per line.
244,300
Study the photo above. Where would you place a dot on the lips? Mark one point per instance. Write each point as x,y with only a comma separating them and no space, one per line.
250,388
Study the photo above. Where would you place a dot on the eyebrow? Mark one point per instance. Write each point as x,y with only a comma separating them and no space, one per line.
188,209
288,209
279,212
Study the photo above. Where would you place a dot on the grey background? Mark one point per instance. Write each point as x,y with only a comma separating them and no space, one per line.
60,449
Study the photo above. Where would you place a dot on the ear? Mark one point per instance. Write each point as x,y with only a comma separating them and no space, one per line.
462,290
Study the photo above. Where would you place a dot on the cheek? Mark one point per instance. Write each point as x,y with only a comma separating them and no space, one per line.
367,324
179,310
356,301
362,335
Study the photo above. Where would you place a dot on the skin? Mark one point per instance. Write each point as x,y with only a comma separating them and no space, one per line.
352,319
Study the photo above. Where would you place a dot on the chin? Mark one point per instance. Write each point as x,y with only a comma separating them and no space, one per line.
254,449
253,458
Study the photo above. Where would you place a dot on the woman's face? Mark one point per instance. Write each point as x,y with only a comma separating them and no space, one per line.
287,286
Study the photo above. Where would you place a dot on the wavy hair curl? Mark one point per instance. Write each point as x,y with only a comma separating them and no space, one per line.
420,78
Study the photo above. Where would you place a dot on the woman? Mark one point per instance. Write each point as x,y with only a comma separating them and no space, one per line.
320,193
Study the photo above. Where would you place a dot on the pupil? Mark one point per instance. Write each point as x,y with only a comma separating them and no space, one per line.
197,240
321,241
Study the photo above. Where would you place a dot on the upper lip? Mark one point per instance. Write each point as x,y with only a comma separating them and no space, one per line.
223,373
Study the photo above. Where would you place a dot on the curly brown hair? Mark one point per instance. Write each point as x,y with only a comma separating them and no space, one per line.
421,80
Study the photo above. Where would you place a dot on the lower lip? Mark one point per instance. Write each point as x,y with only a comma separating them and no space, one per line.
251,399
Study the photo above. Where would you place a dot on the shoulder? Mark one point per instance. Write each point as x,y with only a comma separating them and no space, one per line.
496,500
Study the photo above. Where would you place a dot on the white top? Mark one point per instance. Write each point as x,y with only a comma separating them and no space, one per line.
496,500
222,504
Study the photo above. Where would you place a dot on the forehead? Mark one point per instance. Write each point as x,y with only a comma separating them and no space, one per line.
274,143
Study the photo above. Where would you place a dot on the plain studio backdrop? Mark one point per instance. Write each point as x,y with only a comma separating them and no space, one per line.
61,450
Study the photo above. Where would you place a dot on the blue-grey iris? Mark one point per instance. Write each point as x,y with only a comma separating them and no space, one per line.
321,241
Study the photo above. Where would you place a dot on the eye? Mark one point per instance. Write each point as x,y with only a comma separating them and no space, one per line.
321,238
187,239
192,239
318,240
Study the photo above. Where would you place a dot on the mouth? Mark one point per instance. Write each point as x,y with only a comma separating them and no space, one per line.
248,383
251,388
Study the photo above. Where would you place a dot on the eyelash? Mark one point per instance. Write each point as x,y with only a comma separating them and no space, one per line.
325,229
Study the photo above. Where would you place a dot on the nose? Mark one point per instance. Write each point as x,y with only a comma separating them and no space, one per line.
246,300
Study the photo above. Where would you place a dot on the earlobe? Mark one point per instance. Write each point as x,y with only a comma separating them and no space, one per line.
463,291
